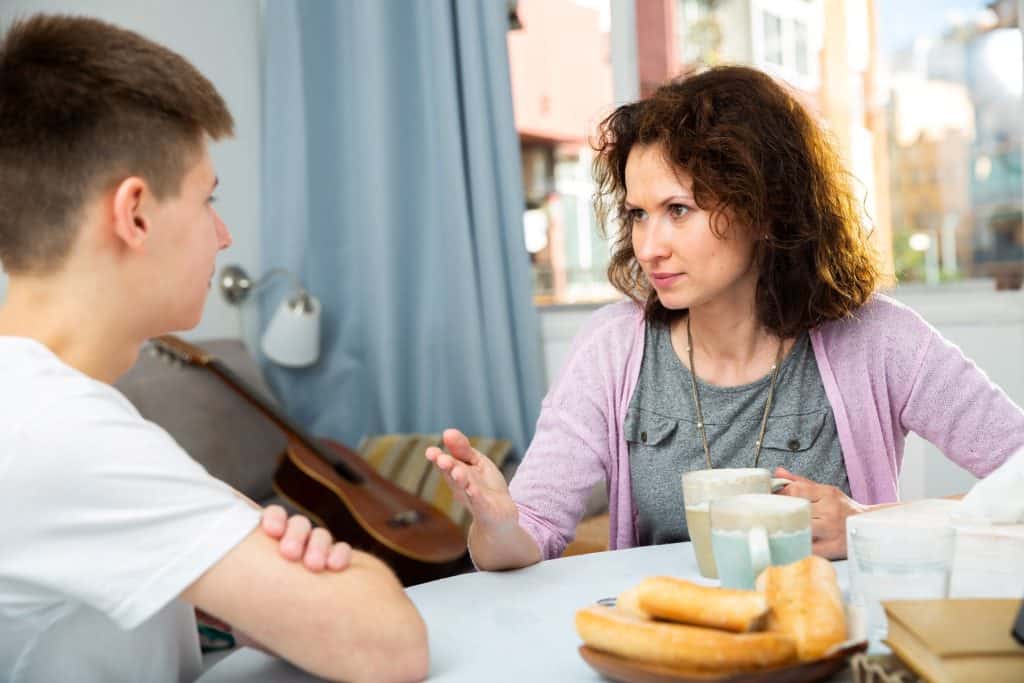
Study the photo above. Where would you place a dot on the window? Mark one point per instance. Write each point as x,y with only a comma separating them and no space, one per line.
954,105
561,88
698,33
773,39
923,98
801,54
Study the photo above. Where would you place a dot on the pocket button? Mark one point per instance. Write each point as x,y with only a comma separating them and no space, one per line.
643,436
794,444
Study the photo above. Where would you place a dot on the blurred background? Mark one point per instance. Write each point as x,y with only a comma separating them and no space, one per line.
923,98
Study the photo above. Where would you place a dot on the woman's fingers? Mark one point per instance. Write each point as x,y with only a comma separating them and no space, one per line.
454,473
472,478
783,473
459,447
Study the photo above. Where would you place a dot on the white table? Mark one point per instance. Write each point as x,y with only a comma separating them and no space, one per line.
508,626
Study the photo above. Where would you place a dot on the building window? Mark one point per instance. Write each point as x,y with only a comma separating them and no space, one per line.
773,39
784,39
801,48
698,35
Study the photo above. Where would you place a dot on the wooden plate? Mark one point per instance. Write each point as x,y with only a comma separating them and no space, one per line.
633,671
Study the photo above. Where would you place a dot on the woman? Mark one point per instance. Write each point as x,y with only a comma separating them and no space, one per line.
753,336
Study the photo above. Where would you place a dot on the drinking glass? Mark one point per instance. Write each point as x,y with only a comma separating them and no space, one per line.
896,561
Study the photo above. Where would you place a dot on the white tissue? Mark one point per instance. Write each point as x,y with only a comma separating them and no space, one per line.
999,497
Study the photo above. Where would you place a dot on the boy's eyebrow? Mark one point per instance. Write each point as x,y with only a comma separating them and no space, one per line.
216,182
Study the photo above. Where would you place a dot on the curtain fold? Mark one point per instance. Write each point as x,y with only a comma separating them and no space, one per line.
392,188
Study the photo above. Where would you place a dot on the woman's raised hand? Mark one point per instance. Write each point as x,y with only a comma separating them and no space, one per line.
475,481
829,509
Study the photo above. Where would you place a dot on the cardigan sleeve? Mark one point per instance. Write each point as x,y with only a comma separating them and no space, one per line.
572,446
953,404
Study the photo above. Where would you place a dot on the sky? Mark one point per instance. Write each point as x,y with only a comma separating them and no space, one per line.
900,21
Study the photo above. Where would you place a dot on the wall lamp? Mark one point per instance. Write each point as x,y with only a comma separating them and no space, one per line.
292,338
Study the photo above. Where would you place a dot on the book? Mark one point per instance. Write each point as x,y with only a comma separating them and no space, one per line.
954,641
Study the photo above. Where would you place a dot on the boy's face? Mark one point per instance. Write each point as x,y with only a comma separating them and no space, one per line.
186,235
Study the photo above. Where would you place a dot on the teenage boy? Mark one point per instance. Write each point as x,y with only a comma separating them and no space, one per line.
112,535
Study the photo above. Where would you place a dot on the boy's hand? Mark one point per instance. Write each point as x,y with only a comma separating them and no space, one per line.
298,540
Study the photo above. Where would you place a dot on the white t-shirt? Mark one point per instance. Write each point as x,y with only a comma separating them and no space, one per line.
104,521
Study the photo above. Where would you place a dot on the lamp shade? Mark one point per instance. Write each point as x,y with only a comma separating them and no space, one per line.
292,338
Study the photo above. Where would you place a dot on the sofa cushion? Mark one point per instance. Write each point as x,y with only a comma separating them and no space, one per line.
231,438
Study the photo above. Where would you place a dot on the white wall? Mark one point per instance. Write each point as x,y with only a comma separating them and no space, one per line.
222,39
987,325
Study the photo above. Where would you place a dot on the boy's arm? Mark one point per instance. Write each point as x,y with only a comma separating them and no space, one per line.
354,625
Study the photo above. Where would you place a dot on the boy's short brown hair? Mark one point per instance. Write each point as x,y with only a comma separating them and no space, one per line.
83,105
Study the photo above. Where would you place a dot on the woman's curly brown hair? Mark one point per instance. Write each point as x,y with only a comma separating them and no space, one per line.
757,159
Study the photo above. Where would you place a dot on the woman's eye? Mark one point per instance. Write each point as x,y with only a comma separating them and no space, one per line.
678,210
634,215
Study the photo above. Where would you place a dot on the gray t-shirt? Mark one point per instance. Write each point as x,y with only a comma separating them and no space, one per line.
661,430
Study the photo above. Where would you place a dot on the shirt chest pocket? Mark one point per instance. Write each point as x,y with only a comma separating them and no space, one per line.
645,428
794,433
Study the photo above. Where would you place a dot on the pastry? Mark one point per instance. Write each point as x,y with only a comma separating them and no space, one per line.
806,605
664,597
689,648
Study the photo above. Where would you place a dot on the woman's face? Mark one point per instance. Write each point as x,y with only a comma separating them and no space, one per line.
685,262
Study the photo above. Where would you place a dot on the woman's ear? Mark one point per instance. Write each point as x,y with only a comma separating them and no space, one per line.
131,224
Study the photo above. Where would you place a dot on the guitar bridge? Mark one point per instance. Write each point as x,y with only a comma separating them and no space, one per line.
405,518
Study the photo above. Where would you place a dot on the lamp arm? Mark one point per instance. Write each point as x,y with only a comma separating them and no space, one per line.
274,272
236,285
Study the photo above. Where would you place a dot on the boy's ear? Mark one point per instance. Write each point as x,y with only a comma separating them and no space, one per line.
131,224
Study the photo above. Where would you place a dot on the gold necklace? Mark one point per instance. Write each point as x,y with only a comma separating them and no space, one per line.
700,414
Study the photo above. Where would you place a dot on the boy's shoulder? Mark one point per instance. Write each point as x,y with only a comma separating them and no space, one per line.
43,395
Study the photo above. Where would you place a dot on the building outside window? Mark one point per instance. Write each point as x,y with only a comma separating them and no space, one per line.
771,31
927,114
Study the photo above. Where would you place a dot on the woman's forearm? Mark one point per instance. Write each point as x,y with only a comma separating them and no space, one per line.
509,547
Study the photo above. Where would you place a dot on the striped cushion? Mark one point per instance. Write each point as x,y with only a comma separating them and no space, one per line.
399,458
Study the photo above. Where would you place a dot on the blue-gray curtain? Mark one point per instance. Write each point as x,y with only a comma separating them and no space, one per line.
392,187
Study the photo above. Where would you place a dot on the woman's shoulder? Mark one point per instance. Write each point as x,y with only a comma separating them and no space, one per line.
612,327
604,343
625,313
881,317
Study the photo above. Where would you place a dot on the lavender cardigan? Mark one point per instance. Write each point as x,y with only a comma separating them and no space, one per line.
885,370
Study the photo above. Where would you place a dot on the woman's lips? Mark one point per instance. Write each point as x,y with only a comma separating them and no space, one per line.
664,280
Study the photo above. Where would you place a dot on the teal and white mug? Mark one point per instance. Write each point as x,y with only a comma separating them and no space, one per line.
752,531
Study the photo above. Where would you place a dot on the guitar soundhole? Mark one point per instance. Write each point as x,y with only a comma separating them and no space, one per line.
345,473
406,518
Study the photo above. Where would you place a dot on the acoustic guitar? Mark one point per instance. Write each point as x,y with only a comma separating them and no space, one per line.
342,492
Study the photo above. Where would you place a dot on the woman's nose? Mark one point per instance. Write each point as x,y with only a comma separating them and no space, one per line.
651,243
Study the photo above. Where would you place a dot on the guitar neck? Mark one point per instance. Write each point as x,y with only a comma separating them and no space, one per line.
277,417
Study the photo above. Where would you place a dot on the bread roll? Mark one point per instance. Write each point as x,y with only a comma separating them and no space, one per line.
629,602
664,597
805,604
691,648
